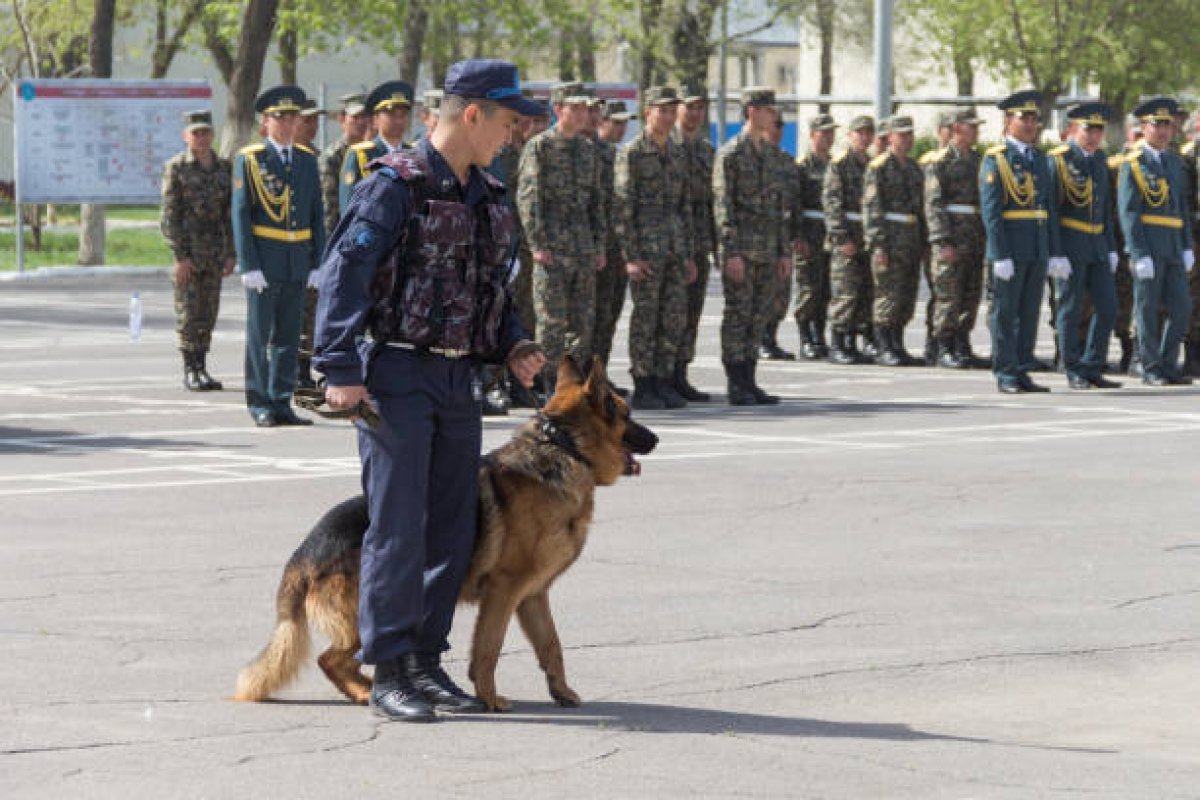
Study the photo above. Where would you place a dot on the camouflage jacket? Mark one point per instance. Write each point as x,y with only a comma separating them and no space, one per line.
606,164
951,188
559,198
650,192
195,217
894,204
750,193
331,168
841,197
700,156
808,218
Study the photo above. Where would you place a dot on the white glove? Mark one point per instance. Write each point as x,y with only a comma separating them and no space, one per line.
314,279
1113,260
1003,269
254,280
1144,268
1189,260
1059,267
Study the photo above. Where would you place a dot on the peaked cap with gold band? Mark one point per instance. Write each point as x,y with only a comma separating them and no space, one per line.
1091,115
388,95
1021,102
1159,109
280,100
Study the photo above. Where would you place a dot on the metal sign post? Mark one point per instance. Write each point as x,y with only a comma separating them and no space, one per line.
883,59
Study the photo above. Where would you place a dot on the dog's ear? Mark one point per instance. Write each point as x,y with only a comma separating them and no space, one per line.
597,379
568,372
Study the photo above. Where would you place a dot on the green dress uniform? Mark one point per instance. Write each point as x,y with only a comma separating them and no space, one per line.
387,95
1154,216
278,230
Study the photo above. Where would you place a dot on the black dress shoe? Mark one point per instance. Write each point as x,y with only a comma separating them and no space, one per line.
1009,386
289,417
1101,382
1178,380
1154,379
1028,385
424,671
394,696
1078,382
264,419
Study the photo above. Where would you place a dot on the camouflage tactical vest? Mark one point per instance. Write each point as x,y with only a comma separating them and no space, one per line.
444,284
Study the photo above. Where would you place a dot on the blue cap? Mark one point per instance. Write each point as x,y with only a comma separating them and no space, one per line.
1020,102
1093,115
1158,109
388,95
490,79
280,99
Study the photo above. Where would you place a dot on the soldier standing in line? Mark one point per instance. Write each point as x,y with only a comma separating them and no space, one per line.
1153,215
390,107
611,281
895,233
957,241
356,126
1191,171
196,224
769,348
749,196
309,125
808,225
850,271
306,134
944,123
691,134
1129,362
530,127
279,233
562,211
653,205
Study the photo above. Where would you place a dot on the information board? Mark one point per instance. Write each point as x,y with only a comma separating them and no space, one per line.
98,141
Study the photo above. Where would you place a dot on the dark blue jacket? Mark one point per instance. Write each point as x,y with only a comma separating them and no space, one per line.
283,241
1021,228
1085,231
1153,209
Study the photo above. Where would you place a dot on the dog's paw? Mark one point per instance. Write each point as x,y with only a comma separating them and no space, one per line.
497,703
565,697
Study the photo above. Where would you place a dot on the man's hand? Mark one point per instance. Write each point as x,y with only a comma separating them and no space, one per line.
543,257
183,271
638,270
254,281
1004,269
343,397
601,263
735,268
849,249
526,362
690,272
230,266
947,254
783,267
800,247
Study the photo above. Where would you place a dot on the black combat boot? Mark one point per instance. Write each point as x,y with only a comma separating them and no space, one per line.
948,355
896,337
685,389
427,676
1126,352
207,382
933,350
666,390
842,351
886,355
304,378
751,381
739,394
394,696
808,347
191,378
870,348
962,346
1191,358
770,349
817,330
645,394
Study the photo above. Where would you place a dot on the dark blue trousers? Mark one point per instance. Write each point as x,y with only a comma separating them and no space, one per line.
420,474
274,317
1168,290
1016,305
1095,280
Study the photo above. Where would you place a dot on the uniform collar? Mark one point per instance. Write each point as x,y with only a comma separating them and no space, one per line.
444,180
279,148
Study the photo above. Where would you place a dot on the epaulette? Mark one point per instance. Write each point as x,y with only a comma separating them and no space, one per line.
1116,161
252,148
937,155
995,150
306,149
879,160
1189,148
1058,151
840,157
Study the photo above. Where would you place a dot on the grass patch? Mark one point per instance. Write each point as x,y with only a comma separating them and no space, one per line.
69,215
125,246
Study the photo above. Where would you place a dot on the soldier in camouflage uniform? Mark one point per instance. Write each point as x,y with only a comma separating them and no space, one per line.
1190,153
808,225
611,281
850,271
793,179
196,224
691,134
562,211
957,239
945,121
390,107
356,125
749,196
895,232
652,201
523,290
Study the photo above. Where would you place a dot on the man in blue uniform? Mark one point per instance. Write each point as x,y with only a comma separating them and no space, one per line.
1154,218
279,235
390,107
1021,225
414,296
1080,188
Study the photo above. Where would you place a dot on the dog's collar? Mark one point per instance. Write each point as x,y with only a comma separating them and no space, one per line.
560,438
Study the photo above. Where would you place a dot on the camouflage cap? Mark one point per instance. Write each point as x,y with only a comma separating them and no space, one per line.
821,122
310,109
964,116
432,100
899,124
693,94
862,122
758,96
661,96
354,103
945,119
571,92
197,121
883,128
617,111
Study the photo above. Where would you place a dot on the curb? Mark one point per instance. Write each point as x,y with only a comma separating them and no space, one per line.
46,273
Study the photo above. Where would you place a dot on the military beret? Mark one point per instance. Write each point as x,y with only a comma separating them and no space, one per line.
1026,100
862,122
1158,109
1093,115
758,96
899,124
280,100
821,122
661,96
616,111
310,108
693,94
432,100
964,116
353,103
197,121
390,94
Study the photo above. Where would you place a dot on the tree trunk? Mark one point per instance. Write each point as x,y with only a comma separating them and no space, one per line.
825,27
650,71
585,38
254,38
168,44
416,20
964,74
100,47
288,55
566,59
692,47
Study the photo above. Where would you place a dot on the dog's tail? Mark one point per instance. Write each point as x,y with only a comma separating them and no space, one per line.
288,649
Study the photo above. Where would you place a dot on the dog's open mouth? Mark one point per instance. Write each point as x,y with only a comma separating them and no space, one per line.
632,465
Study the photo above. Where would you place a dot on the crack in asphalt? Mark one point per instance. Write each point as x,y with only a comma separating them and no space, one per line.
333,748
1151,598
72,748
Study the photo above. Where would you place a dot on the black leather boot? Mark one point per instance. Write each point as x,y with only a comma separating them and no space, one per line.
207,382
394,696
666,390
1126,352
948,355
843,351
962,346
933,350
738,393
304,379
760,397
685,389
645,394
1191,358
808,347
816,331
191,378
886,354
870,348
427,676
770,349
896,337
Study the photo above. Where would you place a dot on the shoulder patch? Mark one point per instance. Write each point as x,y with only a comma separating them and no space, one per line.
305,148
840,157
996,150
1059,150
362,145
879,160
252,148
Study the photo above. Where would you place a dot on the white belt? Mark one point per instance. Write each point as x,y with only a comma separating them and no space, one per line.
960,208
821,214
854,216
907,219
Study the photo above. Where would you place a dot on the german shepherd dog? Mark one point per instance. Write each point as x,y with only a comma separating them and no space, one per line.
535,505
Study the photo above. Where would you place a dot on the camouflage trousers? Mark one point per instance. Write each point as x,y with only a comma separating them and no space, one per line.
747,306
957,289
697,291
564,299
658,320
523,290
310,324
610,300
895,287
779,303
851,292
812,287
196,305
